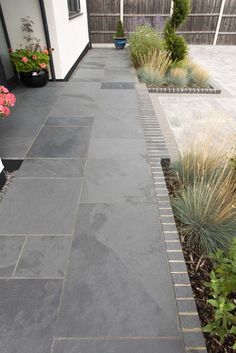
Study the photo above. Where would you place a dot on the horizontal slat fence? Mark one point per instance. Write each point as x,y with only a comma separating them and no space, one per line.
200,28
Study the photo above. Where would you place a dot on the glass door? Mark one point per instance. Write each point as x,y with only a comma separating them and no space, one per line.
7,74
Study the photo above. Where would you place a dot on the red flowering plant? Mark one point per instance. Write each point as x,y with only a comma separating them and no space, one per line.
7,100
31,58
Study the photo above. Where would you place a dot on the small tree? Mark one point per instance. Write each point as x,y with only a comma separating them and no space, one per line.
119,30
176,44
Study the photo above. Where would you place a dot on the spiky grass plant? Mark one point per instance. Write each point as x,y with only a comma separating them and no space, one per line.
151,76
178,77
157,60
197,76
205,200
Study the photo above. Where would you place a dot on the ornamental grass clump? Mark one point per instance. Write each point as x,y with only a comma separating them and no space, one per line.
178,77
142,41
199,76
205,200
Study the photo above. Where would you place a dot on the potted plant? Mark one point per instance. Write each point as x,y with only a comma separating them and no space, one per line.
7,100
31,62
119,38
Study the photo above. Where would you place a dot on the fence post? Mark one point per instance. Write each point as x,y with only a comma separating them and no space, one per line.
122,10
219,21
171,8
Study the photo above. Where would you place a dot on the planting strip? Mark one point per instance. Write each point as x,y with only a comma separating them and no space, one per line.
157,151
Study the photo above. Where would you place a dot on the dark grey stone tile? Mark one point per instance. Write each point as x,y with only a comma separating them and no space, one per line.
122,149
91,64
61,142
118,75
39,97
79,103
69,121
119,346
34,206
117,85
117,181
44,257
10,248
27,314
89,75
14,147
51,168
118,269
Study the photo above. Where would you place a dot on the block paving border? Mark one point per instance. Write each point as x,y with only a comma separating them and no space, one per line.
156,152
184,90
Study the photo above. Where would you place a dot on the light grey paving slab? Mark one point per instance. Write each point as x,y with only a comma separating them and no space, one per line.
14,147
44,257
51,168
89,75
118,346
34,206
27,314
118,75
122,149
118,269
117,181
47,96
61,142
79,104
70,121
10,248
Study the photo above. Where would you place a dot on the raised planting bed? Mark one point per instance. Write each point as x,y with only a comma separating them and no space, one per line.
200,270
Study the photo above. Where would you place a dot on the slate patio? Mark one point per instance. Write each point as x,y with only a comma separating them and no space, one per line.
83,263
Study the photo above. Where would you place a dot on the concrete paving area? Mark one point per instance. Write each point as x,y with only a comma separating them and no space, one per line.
83,263
205,117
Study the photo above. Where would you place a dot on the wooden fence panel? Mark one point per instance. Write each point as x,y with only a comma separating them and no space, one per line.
200,27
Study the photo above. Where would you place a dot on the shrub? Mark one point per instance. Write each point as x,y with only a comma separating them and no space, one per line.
178,77
119,30
205,201
222,285
25,60
151,76
142,41
174,43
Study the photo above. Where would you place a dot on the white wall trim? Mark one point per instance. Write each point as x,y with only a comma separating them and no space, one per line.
122,10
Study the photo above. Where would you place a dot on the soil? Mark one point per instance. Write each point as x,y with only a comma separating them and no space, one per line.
199,268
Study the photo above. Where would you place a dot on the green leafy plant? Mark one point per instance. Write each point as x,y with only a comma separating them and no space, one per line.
174,43
205,199
119,30
222,285
143,41
29,61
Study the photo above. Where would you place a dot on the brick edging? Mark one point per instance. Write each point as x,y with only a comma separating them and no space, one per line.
156,152
184,90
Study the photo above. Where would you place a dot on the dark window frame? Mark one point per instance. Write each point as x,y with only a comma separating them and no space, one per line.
74,8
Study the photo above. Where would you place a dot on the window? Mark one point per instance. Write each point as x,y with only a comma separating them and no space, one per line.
74,7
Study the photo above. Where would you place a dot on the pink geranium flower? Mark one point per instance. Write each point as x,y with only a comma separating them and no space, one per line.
24,59
3,89
10,100
45,51
43,65
4,111
34,57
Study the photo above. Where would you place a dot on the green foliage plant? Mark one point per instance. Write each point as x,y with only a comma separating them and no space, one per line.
142,41
174,43
205,199
119,30
222,285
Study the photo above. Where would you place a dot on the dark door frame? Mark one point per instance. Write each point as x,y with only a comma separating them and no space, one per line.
14,80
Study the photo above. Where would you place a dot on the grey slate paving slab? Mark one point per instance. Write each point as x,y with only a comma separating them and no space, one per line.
89,75
63,142
122,149
118,75
44,257
10,248
51,168
117,181
34,206
70,121
113,277
27,314
117,85
79,104
118,346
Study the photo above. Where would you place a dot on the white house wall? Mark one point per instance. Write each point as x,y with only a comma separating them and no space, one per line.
13,11
68,37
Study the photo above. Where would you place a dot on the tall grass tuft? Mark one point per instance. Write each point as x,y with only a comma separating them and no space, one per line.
157,60
151,76
198,76
178,77
205,200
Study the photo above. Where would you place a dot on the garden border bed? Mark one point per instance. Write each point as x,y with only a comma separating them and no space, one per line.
184,90
156,153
